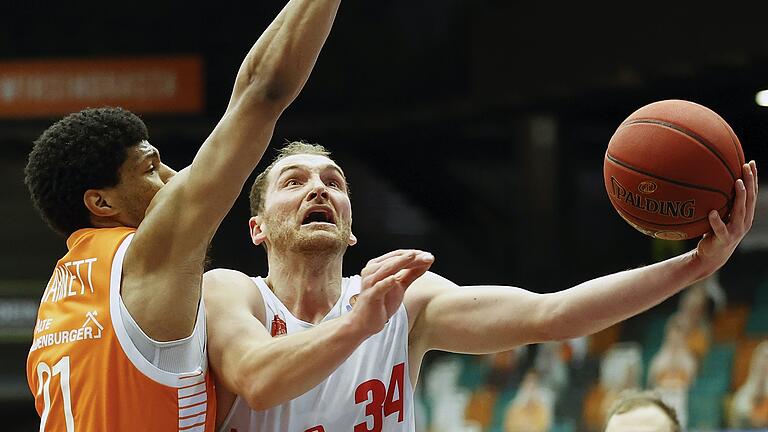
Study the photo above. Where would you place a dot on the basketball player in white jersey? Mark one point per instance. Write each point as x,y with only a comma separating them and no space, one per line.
346,351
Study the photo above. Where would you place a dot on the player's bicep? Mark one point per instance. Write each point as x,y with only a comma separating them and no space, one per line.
483,319
156,250
234,330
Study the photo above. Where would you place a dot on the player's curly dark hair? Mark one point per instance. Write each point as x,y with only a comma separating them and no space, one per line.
82,151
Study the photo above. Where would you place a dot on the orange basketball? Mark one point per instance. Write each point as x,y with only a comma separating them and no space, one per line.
668,165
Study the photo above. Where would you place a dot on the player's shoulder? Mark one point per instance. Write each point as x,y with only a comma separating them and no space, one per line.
219,279
218,274
98,236
432,281
426,287
227,291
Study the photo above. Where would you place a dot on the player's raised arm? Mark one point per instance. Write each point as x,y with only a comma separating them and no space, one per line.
267,371
491,319
164,262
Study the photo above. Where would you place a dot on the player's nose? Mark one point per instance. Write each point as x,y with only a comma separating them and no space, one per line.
318,190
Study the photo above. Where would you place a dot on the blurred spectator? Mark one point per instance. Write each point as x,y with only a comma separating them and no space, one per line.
599,343
507,368
447,399
481,406
749,407
715,291
505,372
620,370
551,368
636,411
673,368
420,411
695,318
507,361
532,408
575,350
442,375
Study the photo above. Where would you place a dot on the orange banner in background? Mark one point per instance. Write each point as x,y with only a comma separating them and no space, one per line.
40,88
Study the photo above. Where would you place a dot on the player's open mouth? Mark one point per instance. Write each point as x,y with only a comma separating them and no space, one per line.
318,216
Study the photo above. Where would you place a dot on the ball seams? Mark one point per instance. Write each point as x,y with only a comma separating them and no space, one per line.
693,135
616,161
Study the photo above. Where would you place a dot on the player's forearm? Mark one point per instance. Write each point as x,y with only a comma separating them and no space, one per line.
280,62
485,319
271,76
599,303
289,366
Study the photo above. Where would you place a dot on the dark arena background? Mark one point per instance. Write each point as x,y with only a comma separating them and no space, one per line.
473,129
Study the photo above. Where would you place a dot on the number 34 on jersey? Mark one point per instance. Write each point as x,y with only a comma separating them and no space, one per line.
378,400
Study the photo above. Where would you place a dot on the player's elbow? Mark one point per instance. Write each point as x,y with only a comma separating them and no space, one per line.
547,330
555,322
257,379
256,402
258,390
255,393
268,91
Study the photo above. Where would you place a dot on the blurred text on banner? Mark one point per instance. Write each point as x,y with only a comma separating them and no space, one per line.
41,88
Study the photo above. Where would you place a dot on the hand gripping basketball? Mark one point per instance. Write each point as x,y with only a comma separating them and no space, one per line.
383,285
668,164
718,245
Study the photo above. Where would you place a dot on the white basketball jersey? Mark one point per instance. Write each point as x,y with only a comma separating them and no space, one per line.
370,391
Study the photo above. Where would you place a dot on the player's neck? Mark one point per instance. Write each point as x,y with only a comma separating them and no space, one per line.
309,288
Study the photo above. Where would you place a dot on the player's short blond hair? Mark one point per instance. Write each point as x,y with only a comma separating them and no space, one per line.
290,149
629,400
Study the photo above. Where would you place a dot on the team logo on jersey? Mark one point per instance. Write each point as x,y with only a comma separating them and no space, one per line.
91,329
278,327
90,317
352,301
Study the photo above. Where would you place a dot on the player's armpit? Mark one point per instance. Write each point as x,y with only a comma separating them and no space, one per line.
234,311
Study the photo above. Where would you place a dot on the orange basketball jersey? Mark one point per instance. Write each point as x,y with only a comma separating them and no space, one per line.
84,371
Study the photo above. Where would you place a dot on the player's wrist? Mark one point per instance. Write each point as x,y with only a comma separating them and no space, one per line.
697,265
355,328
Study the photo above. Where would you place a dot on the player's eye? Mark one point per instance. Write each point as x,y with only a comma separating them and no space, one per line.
292,182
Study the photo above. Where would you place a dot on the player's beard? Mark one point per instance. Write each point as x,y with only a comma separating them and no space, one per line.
285,236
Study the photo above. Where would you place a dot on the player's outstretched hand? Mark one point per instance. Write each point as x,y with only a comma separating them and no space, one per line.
718,245
383,284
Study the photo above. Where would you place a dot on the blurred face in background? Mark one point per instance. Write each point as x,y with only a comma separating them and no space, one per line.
758,372
677,331
647,418
694,305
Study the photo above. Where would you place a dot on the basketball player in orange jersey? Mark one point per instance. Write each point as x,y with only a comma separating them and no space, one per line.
347,351
119,342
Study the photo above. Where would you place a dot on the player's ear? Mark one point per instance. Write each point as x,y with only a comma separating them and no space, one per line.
352,239
99,203
258,234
